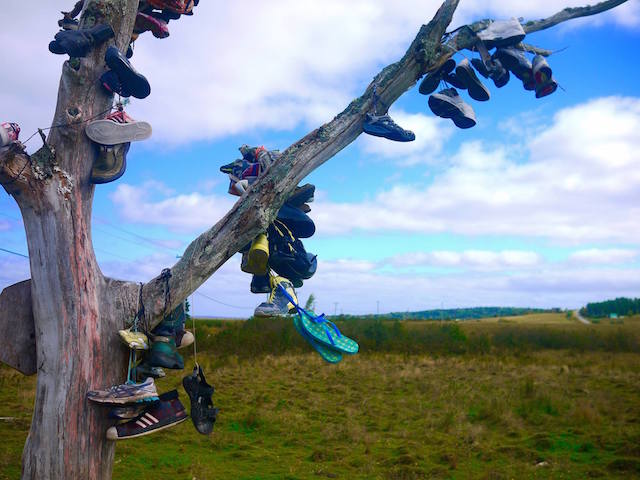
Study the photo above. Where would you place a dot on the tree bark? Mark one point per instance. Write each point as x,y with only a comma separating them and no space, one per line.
68,314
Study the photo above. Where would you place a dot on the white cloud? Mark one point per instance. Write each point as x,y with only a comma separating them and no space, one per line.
235,67
184,211
473,259
608,256
581,183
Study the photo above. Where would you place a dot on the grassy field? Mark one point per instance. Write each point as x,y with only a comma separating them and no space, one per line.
518,399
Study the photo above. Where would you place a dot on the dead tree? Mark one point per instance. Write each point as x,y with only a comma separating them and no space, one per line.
65,318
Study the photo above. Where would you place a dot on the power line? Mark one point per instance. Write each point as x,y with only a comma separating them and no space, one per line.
15,253
221,303
148,240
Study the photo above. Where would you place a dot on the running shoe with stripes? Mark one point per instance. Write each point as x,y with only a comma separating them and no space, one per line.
160,415
126,393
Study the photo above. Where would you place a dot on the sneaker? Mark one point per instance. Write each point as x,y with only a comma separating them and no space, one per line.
9,132
258,256
453,80
131,80
516,62
165,413
127,412
301,195
155,25
126,393
78,43
203,412
260,284
502,33
448,104
112,84
68,23
466,75
495,71
277,304
134,340
164,354
431,80
117,127
384,126
110,164
543,77
187,339
182,7
144,370
298,222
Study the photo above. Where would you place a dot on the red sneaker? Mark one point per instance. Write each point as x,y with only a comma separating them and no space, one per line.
8,133
152,24
182,7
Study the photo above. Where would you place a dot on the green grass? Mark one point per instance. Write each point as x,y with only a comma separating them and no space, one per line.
518,410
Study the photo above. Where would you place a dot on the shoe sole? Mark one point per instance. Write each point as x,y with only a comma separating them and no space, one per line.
442,107
151,431
107,132
121,401
132,81
476,89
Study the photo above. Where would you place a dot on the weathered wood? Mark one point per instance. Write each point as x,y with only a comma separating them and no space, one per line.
16,317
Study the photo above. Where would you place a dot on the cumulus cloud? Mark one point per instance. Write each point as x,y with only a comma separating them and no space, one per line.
234,67
607,256
580,183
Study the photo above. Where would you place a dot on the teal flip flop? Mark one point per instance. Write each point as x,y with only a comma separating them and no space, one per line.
325,332
327,354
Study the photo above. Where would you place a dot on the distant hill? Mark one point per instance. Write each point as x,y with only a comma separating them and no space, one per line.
619,306
460,313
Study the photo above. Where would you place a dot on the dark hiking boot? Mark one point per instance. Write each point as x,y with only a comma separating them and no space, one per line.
9,133
453,80
516,62
260,284
384,126
467,76
78,43
203,412
131,80
151,23
502,33
448,104
499,74
126,393
165,413
431,80
277,304
110,164
117,127
164,354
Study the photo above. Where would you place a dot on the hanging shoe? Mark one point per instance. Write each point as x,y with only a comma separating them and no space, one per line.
172,325
297,221
112,84
127,412
131,80
453,80
110,164
203,412
117,127
187,339
431,80
165,413
164,354
182,7
134,340
260,284
78,43
502,33
67,23
543,76
499,75
257,257
277,304
9,133
466,75
516,62
151,23
448,104
126,393
301,195
144,370
384,126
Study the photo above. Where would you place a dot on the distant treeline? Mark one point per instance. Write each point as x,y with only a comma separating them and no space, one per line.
619,306
457,313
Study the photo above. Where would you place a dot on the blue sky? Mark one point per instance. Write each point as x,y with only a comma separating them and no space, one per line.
535,206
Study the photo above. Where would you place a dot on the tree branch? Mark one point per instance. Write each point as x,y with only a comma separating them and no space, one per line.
257,209
569,14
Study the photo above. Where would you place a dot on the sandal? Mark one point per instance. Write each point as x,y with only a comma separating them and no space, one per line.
203,413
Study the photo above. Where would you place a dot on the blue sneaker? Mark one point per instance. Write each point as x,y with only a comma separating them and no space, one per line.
384,126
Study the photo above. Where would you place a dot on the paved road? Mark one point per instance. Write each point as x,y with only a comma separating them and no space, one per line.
581,318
